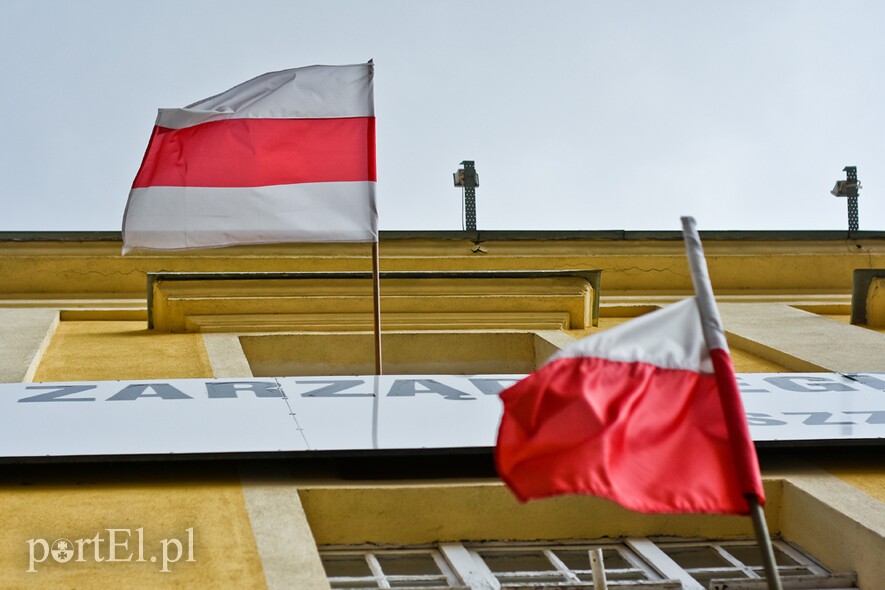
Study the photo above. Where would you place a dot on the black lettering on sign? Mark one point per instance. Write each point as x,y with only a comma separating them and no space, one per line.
137,390
409,387
868,380
873,416
492,386
746,388
758,419
334,388
224,390
817,418
810,385
60,393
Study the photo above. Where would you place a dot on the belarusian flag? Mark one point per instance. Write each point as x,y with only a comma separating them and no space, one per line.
288,156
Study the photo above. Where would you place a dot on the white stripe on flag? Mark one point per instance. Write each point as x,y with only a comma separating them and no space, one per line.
170,218
669,338
312,92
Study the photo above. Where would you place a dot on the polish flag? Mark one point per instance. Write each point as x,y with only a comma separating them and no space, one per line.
646,414
288,156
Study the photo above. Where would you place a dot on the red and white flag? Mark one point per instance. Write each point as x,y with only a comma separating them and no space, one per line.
634,414
288,156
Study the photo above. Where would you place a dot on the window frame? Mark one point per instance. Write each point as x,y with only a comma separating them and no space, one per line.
462,565
384,580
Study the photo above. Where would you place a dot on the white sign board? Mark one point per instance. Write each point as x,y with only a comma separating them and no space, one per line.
365,413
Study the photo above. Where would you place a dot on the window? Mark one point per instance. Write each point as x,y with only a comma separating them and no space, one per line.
561,564
736,561
632,563
391,568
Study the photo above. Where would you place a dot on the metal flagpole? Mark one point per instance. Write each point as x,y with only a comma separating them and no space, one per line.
714,334
376,298
764,542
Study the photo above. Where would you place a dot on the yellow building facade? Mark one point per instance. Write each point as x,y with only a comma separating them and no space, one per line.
73,311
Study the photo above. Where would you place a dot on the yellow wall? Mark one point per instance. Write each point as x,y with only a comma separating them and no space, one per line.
870,480
166,499
637,265
425,512
109,350
59,502
864,469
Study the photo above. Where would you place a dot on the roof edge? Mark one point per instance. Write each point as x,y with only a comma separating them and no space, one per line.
511,235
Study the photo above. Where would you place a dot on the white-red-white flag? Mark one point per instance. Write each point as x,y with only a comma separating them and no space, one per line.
288,156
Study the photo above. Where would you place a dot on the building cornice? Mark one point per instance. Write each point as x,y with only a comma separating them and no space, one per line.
513,235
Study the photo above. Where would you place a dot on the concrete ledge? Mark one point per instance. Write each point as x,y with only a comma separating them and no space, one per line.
172,297
803,341
24,335
285,543
226,356
840,525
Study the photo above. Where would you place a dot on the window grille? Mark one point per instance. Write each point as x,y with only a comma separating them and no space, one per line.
710,561
557,565
632,563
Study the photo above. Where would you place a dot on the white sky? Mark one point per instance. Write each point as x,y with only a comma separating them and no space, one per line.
580,114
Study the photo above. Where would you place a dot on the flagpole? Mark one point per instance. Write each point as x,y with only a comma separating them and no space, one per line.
714,334
597,567
376,300
764,542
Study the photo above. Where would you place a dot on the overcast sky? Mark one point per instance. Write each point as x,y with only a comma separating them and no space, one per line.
580,115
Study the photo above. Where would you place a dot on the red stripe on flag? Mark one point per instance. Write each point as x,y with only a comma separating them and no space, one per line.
651,439
746,464
260,152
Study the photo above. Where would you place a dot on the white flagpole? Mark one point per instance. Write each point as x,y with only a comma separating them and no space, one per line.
376,304
598,569
714,334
